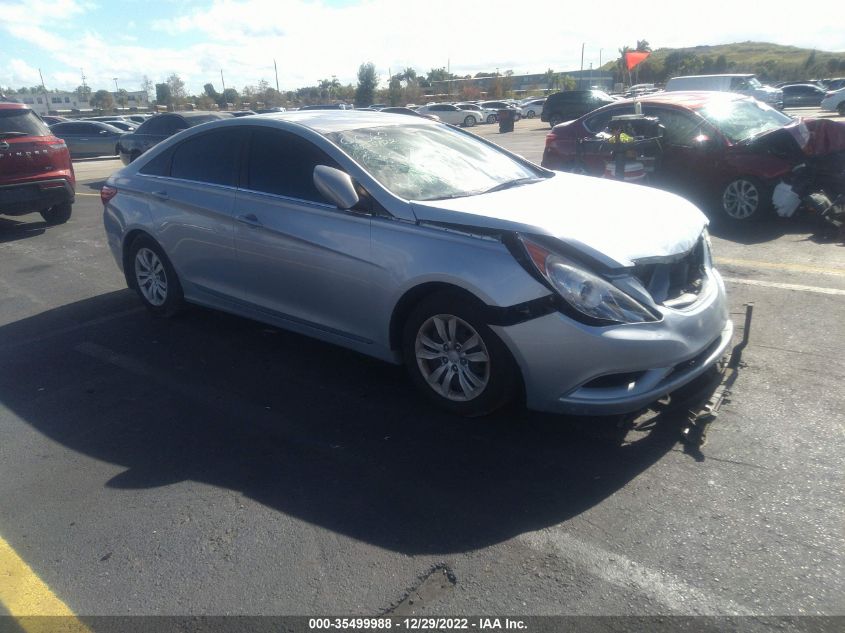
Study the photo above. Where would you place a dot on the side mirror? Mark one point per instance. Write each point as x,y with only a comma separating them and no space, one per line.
336,186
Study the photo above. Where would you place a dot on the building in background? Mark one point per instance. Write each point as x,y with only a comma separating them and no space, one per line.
62,102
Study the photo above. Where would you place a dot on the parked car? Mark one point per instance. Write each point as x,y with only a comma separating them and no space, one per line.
532,108
123,126
487,114
744,84
833,83
37,173
571,104
327,106
50,120
160,127
237,113
408,111
449,113
834,101
802,95
709,148
419,243
502,105
88,138
138,118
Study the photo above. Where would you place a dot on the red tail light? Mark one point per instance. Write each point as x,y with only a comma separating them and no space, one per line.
550,138
107,193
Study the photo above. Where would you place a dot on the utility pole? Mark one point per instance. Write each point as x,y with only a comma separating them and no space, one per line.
276,69
582,57
116,89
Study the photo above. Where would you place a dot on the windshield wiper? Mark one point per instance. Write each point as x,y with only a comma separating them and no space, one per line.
513,183
10,134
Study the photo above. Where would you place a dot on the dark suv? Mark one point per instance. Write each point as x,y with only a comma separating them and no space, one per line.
572,104
155,130
35,169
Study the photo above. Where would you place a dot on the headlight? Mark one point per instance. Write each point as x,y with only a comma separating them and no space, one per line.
587,293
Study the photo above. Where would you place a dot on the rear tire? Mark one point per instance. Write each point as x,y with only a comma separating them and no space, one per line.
531,114
57,214
453,357
554,120
469,121
151,275
491,118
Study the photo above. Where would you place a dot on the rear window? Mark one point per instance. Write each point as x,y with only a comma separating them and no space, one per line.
21,123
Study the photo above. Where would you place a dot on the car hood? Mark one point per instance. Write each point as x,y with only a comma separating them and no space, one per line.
615,222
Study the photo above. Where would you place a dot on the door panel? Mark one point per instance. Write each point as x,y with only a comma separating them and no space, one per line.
306,260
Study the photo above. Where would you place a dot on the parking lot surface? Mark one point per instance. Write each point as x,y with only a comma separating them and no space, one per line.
214,465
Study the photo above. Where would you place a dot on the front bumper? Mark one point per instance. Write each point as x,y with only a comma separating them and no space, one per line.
572,368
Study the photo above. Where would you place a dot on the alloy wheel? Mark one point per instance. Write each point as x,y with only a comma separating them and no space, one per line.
741,199
452,357
151,277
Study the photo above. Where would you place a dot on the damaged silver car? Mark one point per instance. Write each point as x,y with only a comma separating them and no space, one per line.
489,277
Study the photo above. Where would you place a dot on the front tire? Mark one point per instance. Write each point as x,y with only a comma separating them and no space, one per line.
58,213
530,114
153,278
453,357
744,199
469,121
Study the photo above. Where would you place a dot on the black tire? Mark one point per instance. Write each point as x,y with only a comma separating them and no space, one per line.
469,121
531,114
491,118
461,368
841,109
172,301
744,199
554,120
58,213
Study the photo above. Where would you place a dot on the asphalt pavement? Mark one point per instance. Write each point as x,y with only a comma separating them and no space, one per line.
211,465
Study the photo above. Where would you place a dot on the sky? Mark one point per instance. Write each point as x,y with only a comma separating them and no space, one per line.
317,39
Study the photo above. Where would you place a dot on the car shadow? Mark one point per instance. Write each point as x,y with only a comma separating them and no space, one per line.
94,159
94,186
766,230
311,430
14,230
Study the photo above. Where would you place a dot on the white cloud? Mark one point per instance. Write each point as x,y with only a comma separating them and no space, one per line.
310,40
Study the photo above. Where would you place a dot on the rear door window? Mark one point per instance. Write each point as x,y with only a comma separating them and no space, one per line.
600,120
282,164
211,157
20,122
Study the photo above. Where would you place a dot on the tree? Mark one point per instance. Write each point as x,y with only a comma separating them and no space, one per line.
367,83
177,89
102,100
230,95
147,86
439,74
394,90
643,47
209,91
163,96
84,92
811,59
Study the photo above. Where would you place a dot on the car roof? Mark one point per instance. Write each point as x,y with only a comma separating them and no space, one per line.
692,99
327,121
11,105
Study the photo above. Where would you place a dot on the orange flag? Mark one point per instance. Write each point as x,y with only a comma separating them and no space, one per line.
632,58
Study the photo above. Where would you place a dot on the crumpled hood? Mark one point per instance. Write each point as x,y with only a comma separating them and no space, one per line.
603,218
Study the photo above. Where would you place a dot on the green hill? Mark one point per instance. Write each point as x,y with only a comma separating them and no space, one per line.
771,62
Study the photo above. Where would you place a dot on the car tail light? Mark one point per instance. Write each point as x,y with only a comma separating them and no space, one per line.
550,139
107,193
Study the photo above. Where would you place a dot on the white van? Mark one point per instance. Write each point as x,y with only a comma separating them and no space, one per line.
744,84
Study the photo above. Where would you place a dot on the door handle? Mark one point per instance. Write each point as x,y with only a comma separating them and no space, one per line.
161,195
249,219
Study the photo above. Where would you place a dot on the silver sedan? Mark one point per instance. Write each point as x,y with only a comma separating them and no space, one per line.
489,277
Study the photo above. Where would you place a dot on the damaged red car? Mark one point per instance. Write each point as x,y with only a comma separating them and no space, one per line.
720,149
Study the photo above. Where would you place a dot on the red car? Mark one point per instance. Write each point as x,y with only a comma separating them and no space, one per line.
711,148
35,169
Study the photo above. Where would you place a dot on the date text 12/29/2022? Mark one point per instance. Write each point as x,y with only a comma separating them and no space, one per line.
416,624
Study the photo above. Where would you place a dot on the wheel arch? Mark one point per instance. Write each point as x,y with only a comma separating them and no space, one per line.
128,239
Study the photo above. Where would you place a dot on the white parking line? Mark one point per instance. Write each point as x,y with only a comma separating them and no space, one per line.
775,284
786,267
611,567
